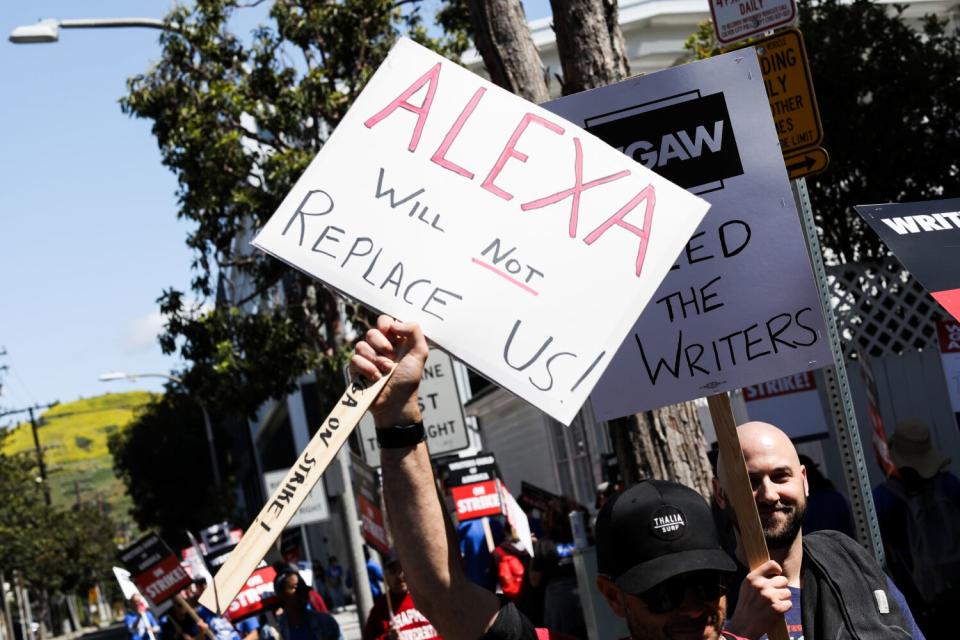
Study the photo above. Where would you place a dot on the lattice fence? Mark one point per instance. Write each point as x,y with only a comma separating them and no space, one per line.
881,309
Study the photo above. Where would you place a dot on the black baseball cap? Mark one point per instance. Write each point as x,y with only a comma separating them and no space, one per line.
656,530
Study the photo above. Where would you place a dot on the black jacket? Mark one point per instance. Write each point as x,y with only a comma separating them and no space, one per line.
838,600
843,591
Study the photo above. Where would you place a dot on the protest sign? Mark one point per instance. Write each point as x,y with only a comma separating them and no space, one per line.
442,412
284,502
792,403
878,434
948,334
924,236
735,20
477,500
457,472
518,520
155,570
499,227
740,306
127,587
256,596
314,507
366,487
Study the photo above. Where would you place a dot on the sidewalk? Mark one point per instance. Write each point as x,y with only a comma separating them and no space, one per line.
349,622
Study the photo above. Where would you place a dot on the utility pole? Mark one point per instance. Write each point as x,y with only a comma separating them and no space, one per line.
40,461
36,442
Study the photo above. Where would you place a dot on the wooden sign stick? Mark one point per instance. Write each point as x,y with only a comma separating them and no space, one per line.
288,497
740,492
196,618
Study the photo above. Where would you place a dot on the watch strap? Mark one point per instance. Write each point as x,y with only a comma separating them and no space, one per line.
401,436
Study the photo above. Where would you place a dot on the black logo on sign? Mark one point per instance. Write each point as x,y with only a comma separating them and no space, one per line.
687,138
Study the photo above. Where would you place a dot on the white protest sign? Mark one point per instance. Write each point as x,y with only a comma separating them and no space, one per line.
740,306
735,20
314,507
524,246
127,588
442,412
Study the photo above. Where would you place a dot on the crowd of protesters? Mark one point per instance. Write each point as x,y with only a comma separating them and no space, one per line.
668,563
664,565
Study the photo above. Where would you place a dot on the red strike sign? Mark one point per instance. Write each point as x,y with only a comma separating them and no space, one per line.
257,595
781,387
163,580
371,522
477,500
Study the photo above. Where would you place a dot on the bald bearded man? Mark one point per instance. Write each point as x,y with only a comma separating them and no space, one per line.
825,583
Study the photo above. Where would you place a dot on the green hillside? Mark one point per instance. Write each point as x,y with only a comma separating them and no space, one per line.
74,440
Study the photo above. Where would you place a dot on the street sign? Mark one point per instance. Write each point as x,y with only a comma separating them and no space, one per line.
314,507
156,571
807,163
735,20
441,408
789,84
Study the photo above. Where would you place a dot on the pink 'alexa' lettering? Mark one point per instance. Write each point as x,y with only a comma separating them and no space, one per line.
430,81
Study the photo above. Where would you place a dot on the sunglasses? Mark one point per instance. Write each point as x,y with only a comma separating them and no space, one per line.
670,594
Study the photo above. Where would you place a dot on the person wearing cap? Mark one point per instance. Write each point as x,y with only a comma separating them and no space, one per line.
298,621
918,509
824,583
394,616
661,558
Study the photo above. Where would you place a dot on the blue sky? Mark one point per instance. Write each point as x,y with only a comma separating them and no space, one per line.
89,236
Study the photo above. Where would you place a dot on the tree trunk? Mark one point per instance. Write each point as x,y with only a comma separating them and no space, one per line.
666,444
590,43
503,40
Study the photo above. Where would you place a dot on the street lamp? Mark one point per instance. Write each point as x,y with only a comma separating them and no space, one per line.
48,30
132,377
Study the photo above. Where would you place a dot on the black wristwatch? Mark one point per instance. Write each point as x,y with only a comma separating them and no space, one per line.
401,436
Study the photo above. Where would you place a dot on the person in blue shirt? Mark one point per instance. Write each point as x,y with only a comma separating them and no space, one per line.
374,574
299,621
248,628
139,620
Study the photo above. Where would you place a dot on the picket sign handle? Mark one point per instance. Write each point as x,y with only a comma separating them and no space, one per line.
740,492
287,498
196,618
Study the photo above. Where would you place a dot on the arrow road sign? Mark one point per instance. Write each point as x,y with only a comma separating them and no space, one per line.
807,163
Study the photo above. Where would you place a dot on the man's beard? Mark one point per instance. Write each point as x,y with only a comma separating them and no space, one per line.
780,535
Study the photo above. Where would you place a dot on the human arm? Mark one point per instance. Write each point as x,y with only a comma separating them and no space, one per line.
763,599
458,609
915,632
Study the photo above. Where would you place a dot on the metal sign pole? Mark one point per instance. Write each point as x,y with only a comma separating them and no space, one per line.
838,392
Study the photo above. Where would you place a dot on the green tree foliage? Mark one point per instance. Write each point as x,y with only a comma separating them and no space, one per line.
887,96
55,549
237,120
164,460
